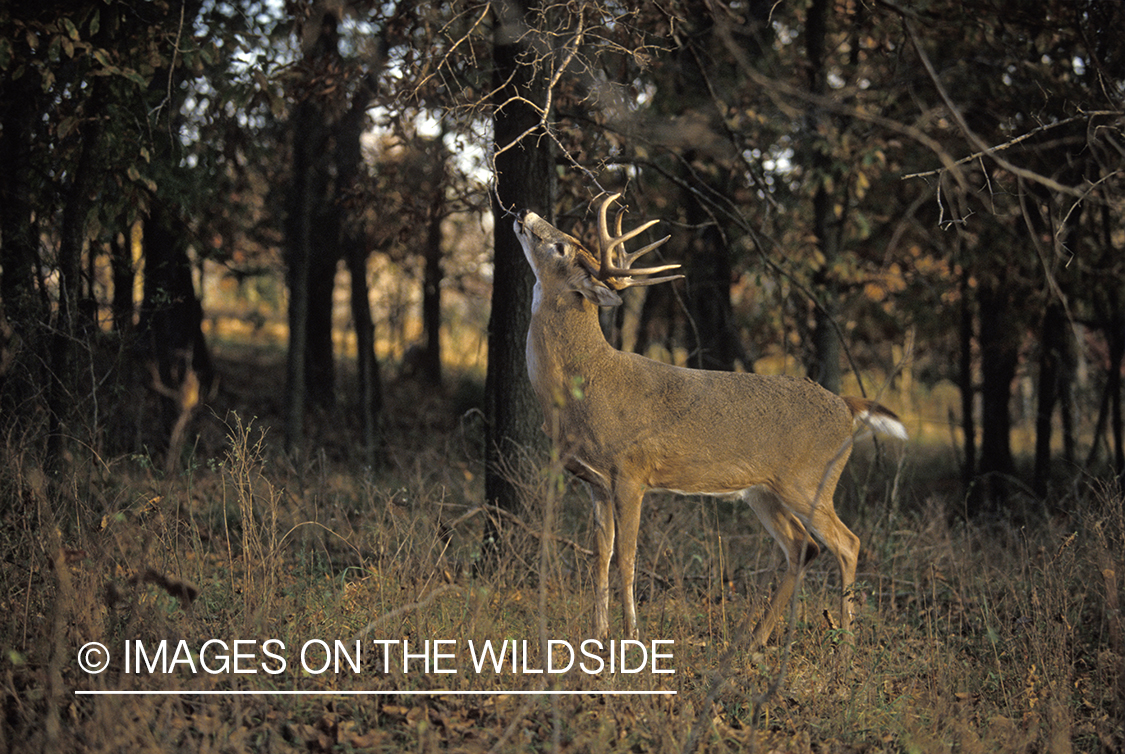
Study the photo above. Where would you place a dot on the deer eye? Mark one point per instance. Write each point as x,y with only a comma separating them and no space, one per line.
559,248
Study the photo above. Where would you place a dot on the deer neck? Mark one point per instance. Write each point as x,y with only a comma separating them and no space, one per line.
565,339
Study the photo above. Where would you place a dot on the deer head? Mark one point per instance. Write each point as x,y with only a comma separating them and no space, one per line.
597,276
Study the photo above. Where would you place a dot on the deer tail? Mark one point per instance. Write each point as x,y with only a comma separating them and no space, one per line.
877,418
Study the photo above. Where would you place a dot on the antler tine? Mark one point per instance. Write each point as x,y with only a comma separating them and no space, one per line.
607,243
635,255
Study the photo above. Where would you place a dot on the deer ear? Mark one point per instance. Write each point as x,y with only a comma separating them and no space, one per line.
598,292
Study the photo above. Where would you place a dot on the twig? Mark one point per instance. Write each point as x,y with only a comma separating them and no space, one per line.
1013,142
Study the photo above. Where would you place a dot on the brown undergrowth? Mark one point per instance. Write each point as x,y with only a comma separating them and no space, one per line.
972,636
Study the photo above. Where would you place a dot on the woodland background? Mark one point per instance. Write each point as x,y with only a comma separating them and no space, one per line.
296,217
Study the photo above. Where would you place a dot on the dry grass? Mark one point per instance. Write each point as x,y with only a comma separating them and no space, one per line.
980,636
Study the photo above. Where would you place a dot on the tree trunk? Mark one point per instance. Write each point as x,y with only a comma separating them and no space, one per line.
349,159
62,394
320,357
308,269
1053,375
714,338
999,356
431,297
525,179
1115,335
170,334
124,276
965,383
656,323
22,306
306,121
825,366
367,366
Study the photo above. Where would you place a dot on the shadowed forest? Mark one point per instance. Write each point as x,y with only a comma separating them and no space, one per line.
270,460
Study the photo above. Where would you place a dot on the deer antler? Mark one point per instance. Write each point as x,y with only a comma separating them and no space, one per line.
607,244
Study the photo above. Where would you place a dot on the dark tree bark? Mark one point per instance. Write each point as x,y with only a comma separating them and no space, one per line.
965,382
169,329
18,100
23,308
298,242
825,365
714,338
124,276
431,294
319,233
320,362
349,159
435,156
1115,337
1056,374
710,335
525,180
62,394
307,194
999,340
658,313
370,399
1110,319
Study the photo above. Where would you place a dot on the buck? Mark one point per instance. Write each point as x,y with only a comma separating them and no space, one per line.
625,424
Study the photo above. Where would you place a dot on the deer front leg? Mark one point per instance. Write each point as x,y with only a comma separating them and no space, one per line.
628,498
604,531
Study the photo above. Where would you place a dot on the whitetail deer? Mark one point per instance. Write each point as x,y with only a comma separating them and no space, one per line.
626,424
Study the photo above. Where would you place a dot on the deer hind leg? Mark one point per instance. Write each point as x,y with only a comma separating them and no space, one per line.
821,519
604,532
793,539
628,498
844,544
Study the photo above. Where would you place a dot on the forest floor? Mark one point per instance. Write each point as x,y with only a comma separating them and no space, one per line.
253,602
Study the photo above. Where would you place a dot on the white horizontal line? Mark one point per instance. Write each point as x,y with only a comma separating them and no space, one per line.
438,692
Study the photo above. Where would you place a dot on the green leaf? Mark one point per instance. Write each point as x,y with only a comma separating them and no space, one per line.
5,54
95,21
71,31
